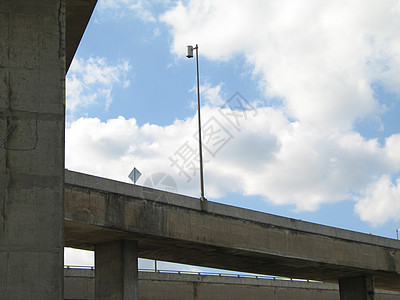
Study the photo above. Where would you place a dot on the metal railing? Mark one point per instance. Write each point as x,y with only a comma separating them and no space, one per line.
78,267
220,274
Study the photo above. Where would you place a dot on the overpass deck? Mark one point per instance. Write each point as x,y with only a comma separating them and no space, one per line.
183,229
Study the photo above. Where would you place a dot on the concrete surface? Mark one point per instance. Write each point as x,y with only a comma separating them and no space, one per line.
78,13
80,284
117,270
176,228
38,41
32,70
357,288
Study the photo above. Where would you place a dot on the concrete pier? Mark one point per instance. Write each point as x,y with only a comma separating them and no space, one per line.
117,270
32,70
357,288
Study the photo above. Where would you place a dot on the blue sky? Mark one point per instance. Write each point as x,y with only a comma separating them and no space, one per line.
317,137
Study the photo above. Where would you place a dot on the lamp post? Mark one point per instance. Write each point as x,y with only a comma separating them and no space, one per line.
189,54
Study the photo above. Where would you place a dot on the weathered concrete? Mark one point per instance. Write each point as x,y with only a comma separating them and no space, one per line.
32,70
187,287
80,284
357,288
32,104
78,13
116,270
175,228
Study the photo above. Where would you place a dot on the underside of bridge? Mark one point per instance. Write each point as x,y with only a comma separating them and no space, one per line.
78,13
85,237
180,229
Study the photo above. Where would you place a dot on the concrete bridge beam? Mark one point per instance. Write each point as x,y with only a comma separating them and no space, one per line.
176,228
117,270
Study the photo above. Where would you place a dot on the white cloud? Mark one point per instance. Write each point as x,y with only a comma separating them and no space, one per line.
209,94
118,9
380,201
81,258
90,81
319,57
111,149
285,162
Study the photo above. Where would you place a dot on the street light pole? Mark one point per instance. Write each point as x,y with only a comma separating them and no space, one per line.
189,54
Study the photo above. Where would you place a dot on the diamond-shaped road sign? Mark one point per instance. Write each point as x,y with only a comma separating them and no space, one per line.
134,175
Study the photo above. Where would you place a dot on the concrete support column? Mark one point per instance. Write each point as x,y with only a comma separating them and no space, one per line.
32,104
117,270
357,288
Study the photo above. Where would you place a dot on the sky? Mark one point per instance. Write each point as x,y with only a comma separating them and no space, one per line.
299,105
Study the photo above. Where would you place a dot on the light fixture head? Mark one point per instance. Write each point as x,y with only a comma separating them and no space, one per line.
189,51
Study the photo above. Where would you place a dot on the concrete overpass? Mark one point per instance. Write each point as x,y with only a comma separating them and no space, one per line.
100,213
80,284
39,39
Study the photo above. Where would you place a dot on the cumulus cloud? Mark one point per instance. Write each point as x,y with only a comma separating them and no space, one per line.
210,94
90,81
264,154
380,201
320,57
111,149
118,9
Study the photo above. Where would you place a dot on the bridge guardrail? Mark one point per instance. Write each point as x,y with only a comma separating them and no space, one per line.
187,272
